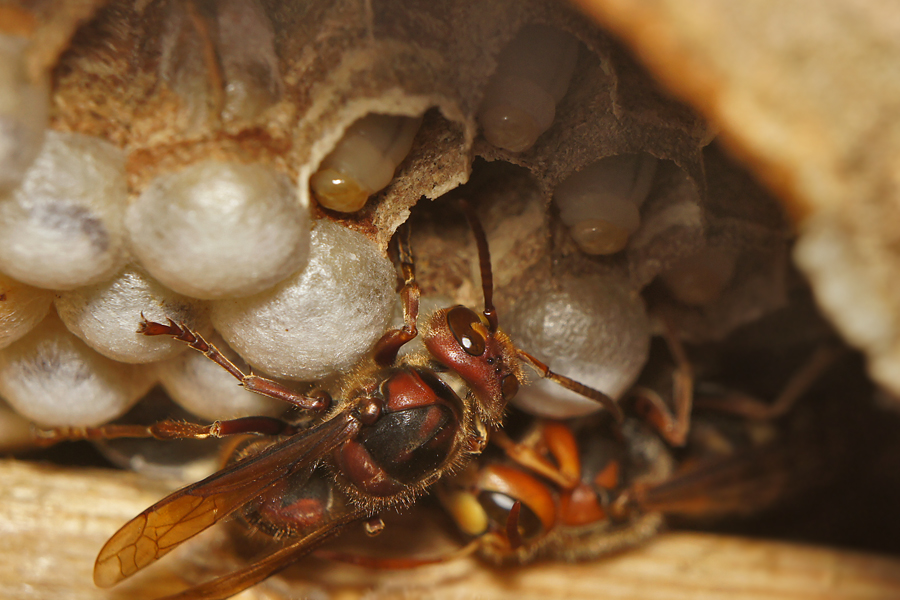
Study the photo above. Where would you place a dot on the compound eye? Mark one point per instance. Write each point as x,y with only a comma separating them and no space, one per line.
509,387
497,505
463,323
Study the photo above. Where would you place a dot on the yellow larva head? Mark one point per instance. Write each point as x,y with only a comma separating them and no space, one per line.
364,161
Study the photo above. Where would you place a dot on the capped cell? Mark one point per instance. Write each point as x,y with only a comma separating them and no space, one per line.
62,227
219,229
53,378
321,320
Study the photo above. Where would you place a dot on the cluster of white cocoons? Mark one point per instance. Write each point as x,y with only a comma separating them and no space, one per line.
62,227
219,229
321,320
601,203
23,112
53,378
80,368
593,329
533,74
215,237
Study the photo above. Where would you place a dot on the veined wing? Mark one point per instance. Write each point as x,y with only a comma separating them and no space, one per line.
190,510
745,483
229,585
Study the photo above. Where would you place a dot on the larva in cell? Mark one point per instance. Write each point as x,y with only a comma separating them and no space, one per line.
364,161
533,74
601,203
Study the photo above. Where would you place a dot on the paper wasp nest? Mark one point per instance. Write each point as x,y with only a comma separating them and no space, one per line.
186,145
217,130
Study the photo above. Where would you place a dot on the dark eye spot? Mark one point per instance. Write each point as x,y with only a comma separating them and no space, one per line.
461,320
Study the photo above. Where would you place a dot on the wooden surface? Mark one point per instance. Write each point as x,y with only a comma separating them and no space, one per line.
53,521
